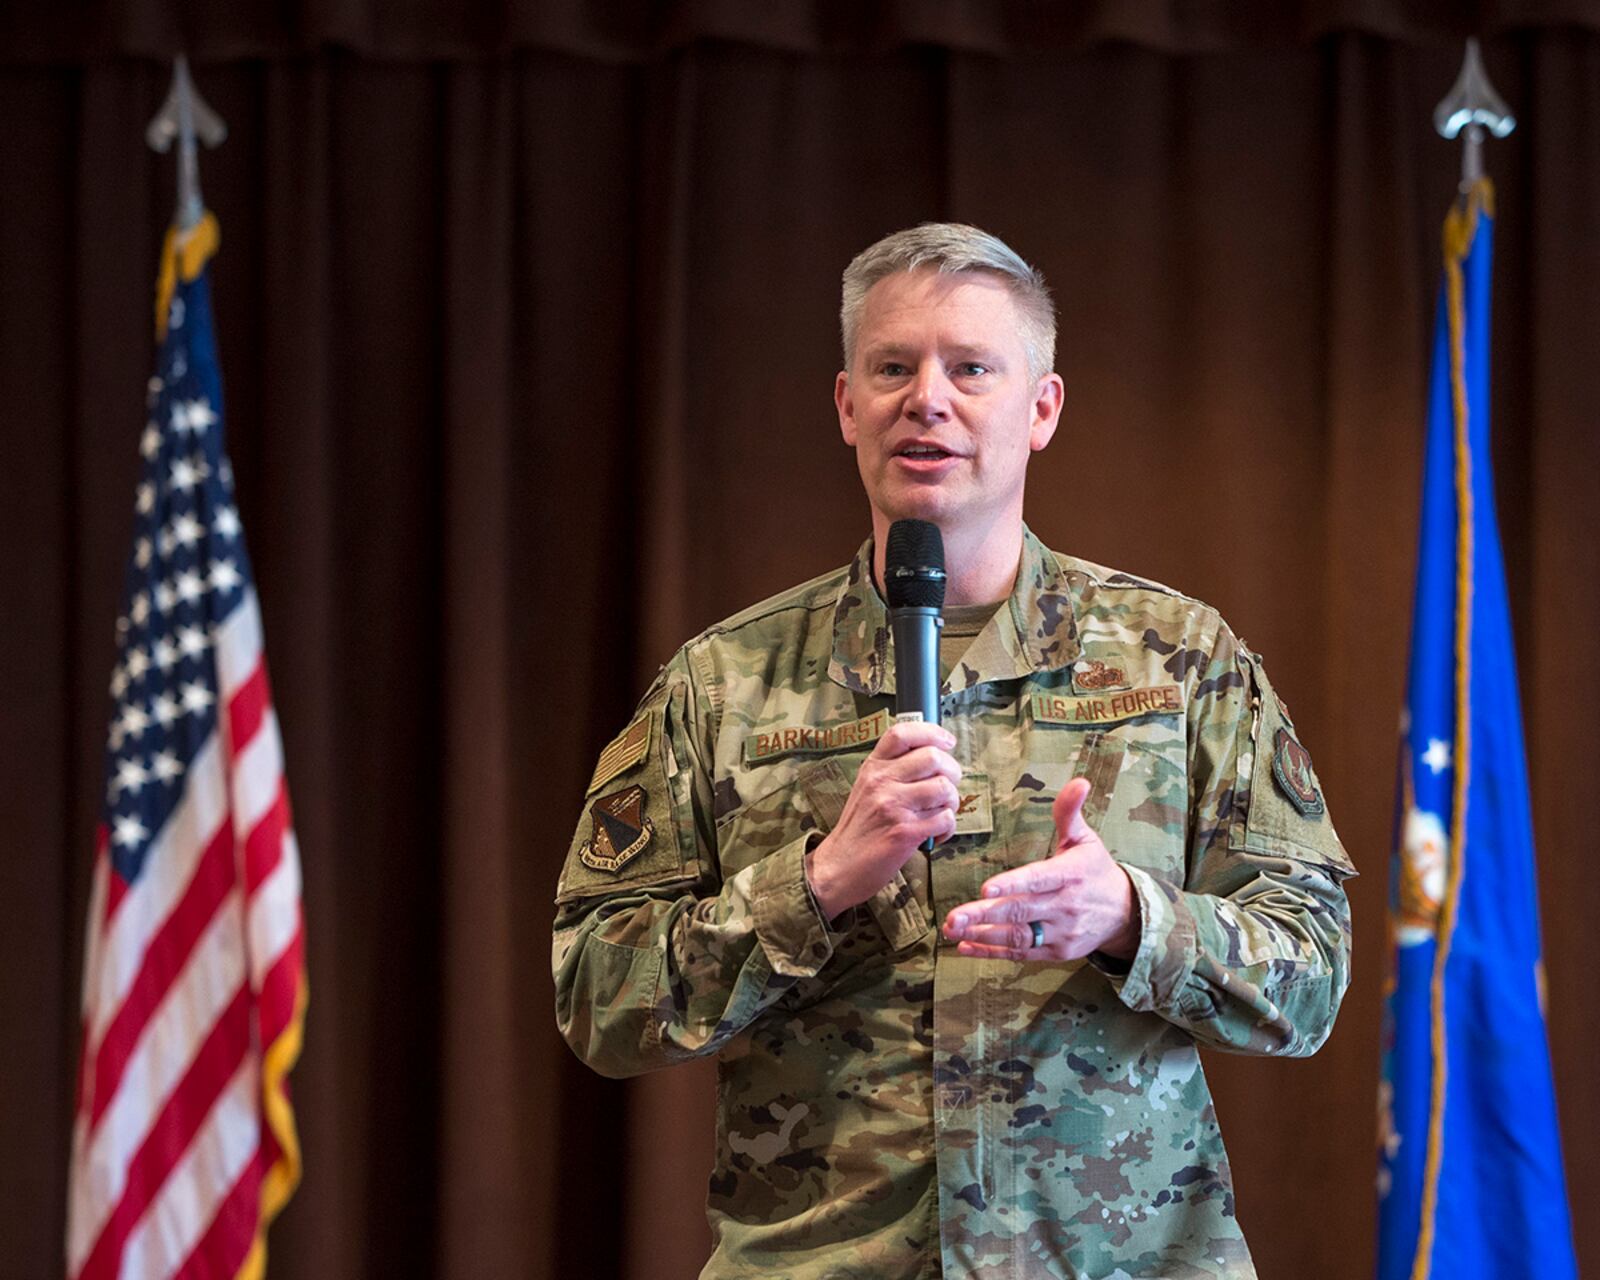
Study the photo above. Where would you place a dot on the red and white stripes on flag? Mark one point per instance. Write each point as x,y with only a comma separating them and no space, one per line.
184,1144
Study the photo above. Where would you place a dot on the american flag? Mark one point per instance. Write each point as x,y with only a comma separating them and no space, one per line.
184,1143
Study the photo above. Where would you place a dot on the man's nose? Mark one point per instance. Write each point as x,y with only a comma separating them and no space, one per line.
928,398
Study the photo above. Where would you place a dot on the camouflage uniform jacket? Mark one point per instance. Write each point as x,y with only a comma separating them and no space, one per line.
887,1108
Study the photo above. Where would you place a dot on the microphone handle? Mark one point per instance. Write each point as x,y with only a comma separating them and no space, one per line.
916,668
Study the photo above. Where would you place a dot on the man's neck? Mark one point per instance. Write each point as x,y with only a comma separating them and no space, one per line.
981,564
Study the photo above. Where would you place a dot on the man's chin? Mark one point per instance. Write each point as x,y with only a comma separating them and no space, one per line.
934,503
932,512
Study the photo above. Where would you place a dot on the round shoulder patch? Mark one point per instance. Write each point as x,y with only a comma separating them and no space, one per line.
1291,766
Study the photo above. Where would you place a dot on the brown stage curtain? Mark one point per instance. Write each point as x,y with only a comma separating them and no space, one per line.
528,364
635,30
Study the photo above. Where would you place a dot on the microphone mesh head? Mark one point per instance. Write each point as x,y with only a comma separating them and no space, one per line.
913,565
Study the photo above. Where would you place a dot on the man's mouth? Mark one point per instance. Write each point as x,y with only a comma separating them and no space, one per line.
923,452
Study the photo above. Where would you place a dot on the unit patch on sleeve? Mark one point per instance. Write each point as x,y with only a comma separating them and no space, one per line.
1291,766
620,832
622,752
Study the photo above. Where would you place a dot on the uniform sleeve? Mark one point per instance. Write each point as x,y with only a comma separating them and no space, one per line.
656,958
1252,952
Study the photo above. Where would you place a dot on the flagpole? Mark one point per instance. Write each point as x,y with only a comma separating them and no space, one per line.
1470,1174
185,117
1472,110
184,1145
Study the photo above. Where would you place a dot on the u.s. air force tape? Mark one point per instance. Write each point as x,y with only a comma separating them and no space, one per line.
1054,708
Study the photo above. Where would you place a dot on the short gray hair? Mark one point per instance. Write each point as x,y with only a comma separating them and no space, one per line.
953,247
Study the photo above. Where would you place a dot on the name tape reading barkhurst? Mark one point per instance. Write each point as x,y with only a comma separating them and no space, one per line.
794,739
1048,708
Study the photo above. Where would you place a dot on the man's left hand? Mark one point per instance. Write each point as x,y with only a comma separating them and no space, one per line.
1081,897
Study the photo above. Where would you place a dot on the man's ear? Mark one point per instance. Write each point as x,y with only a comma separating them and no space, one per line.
845,404
1047,398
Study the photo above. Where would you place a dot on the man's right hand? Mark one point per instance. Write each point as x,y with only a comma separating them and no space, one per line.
906,791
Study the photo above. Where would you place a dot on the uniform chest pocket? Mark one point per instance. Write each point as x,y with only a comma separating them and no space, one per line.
1138,775
795,798
776,814
897,907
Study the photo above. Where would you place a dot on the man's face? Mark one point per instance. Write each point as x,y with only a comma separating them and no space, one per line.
938,403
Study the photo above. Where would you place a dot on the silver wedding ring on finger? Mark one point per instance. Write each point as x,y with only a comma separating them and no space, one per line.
1038,932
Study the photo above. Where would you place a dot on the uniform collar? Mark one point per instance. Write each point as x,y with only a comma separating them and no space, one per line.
1034,630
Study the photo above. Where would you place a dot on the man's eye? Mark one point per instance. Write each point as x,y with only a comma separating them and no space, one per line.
893,369
971,369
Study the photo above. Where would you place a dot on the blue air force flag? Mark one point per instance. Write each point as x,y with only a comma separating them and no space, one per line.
1470,1179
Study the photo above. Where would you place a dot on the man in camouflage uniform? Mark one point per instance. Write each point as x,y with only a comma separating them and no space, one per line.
979,1062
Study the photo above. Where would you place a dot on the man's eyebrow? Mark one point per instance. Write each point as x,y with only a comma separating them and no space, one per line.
878,350
959,351
984,355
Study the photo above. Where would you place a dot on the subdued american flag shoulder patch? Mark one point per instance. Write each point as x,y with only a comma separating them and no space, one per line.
623,752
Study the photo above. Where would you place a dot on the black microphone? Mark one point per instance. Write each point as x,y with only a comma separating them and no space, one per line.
913,584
